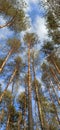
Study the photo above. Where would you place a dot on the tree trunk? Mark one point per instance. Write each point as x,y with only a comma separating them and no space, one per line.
1,115
55,78
12,77
56,66
38,101
39,109
30,120
10,52
54,91
19,120
8,121
54,106
53,101
55,94
25,113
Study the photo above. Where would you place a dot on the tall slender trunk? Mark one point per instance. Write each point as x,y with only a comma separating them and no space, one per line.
12,101
7,57
18,124
1,115
40,110
56,66
54,105
36,120
25,113
38,101
55,78
8,121
19,121
54,91
30,120
55,94
11,79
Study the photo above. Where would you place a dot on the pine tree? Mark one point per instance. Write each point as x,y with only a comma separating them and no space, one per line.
18,63
30,39
15,45
18,20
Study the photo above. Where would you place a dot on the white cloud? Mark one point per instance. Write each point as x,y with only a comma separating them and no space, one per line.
4,32
28,2
2,21
31,1
40,28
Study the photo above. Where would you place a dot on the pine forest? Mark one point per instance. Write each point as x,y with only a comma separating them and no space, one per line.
30,65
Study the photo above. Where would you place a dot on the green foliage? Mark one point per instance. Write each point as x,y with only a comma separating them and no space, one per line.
54,59
44,66
56,37
22,100
19,67
53,19
12,111
14,105
7,97
48,47
31,38
4,4
36,82
52,24
19,21
14,44
18,62
54,7
1,61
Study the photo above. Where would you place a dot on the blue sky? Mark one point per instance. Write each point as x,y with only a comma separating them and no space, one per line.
38,22
37,19
38,25
36,15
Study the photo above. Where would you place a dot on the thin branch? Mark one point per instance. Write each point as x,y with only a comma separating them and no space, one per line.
8,23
